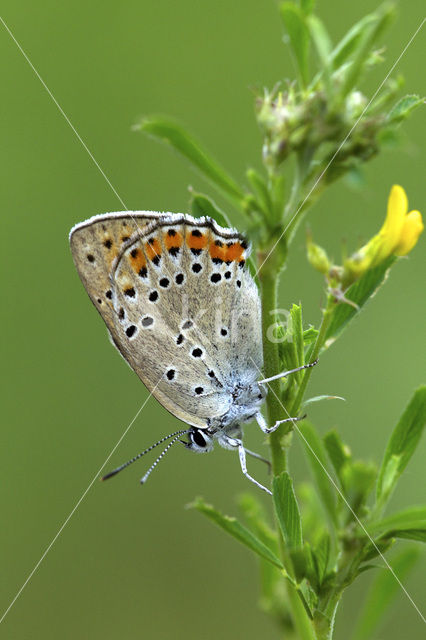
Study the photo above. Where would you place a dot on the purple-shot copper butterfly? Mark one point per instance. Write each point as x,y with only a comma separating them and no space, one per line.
184,311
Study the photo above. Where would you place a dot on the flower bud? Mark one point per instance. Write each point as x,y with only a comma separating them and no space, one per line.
317,257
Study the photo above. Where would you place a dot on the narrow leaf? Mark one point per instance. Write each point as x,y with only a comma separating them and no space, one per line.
371,34
348,44
260,188
297,331
309,597
382,592
410,534
320,399
309,336
379,548
201,205
404,107
278,191
307,6
298,33
318,461
256,518
338,452
321,557
287,510
270,576
402,444
359,293
237,531
175,136
322,44
358,479
411,518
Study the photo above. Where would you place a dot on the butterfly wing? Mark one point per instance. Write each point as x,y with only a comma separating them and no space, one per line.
167,296
95,245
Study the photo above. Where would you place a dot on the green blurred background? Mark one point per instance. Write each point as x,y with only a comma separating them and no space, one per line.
132,562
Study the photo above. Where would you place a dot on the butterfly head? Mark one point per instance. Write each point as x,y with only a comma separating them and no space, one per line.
199,440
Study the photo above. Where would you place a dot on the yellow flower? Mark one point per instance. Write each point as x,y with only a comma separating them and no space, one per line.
398,235
412,228
401,230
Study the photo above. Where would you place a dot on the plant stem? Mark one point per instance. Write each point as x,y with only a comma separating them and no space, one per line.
319,343
269,282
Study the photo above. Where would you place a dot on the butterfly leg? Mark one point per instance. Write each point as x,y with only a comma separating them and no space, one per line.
253,454
243,462
262,423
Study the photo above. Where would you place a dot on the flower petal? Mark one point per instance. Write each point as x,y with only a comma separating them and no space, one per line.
391,230
411,230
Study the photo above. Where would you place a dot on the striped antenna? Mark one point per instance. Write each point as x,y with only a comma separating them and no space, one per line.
178,434
284,374
152,467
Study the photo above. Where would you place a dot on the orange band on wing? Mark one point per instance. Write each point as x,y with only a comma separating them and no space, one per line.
153,248
173,241
234,251
198,241
217,250
137,259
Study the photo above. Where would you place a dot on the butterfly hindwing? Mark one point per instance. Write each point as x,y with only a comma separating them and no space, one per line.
179,304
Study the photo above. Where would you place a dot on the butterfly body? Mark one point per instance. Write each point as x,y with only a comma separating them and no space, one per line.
184,311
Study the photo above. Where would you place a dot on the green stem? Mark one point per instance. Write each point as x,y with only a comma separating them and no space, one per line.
319,343
269,282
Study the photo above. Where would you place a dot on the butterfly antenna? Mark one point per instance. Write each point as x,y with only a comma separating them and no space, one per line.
163,453
126,464
284,374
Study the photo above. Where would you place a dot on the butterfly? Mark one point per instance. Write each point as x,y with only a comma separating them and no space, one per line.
183,310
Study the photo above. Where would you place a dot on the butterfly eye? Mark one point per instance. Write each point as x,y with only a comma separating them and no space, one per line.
198,438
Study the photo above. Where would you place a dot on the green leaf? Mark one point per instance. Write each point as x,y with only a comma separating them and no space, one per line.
411,518
410,534
297,331
349,43
382,592
317,458
359,293
175,136
404,107
309,598
260,188
320,399
338,452
237,531
270,575
371,33
402,444
201,205
312,512
322,44
309,336
256,518
278,191
358,479
307,6
378,548
287,510
294,21
321,557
